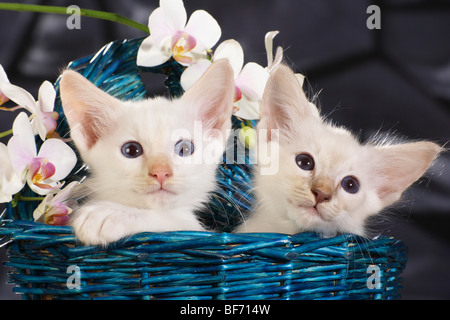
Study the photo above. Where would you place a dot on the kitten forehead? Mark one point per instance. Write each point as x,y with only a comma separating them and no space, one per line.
325,140
153,121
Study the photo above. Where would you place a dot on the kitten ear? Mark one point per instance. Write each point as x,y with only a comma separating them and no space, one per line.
399,166
212,96
87,108
284,102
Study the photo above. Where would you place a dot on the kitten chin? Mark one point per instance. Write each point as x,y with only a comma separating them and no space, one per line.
326,180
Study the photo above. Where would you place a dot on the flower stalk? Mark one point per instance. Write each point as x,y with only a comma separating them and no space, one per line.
114,17
6,133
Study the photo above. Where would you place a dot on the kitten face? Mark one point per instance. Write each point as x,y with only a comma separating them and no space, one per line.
150,160
327,181
321,181
155,153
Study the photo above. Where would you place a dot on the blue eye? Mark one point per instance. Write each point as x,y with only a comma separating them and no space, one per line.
184,148
132,149
305,162
350,184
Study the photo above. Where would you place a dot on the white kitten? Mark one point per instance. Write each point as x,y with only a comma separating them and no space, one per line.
148,163
326,181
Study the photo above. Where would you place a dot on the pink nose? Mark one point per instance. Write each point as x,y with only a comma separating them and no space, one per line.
161,172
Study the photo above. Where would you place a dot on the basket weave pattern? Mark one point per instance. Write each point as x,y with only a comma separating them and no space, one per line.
194,265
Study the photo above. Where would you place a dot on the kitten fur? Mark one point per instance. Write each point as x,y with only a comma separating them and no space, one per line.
158,190
294,200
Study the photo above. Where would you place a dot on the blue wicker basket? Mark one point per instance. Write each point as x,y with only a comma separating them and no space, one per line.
190,265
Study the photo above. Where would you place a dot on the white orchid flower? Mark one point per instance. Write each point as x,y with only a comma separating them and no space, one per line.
250,80
55,208
10,182
44,118
42,171
170,36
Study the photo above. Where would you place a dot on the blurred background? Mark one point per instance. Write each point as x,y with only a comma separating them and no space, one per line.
394,79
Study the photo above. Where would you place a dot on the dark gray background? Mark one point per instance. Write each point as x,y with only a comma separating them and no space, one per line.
395,79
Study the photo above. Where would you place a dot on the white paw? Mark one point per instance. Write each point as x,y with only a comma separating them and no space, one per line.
96,225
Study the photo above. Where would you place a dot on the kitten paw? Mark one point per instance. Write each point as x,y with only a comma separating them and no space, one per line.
93,225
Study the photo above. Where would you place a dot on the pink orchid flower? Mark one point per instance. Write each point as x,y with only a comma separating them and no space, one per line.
170,35
250,80
43,116
55,208
42,171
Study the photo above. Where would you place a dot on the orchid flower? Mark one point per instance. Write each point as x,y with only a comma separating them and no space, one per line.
10,182
249,80
170,36
42,171
54,209
44,118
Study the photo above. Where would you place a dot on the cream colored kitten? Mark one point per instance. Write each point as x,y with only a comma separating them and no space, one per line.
326,181
149,165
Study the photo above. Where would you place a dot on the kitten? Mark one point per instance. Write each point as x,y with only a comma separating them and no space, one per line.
326,181
153,162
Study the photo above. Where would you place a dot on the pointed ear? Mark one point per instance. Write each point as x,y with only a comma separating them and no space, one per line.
212,96
284,102
396,167
87,108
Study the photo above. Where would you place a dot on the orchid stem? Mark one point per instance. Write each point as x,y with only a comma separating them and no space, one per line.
6,133
22,198
18,197
84,12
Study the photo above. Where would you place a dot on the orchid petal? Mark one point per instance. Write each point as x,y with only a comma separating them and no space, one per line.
38,125
65,193
19,156
194,72
204,28
252,81
20,96
5,197
3,98
174,13
152,53
10,183
49,121
47,95
3,76
21,146
60,155
43,188
268,41
158,27
248,109
231,50
42,208
57,218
